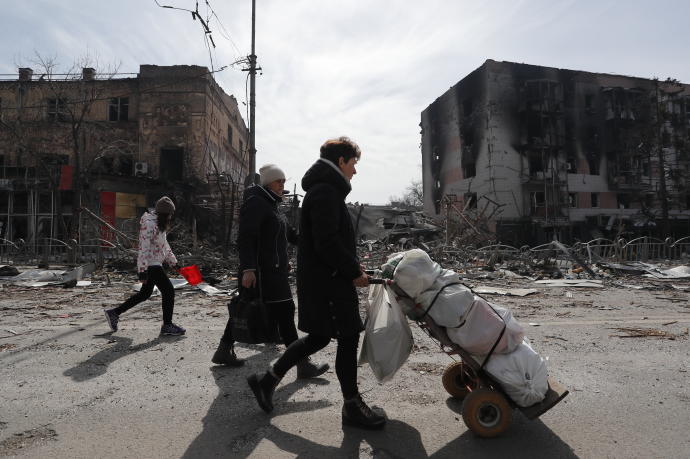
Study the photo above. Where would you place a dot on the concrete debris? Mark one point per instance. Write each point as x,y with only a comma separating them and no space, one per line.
638,332
505,291
570,283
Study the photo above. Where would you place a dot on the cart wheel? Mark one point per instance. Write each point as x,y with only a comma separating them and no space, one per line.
486,412
458,380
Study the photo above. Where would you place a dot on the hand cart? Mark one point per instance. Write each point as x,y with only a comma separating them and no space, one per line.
486,408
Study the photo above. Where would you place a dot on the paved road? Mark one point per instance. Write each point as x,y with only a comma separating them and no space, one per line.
71,389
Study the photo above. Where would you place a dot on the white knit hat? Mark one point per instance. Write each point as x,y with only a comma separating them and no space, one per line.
269,173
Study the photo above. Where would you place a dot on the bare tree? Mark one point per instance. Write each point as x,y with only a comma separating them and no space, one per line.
413,196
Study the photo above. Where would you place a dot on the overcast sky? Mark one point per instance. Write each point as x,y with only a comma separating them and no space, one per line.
365,69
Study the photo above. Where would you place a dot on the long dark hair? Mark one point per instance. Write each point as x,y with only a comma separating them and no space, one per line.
163,221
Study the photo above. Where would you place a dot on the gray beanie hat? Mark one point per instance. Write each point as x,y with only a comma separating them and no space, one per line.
165,206
270,173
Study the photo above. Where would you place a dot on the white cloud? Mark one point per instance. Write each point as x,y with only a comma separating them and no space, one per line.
359,68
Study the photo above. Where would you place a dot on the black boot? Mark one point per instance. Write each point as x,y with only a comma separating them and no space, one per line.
225,355
356,413
307,369
263,389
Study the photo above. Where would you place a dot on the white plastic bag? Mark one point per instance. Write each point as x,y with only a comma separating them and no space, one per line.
522,374
387,336
482,328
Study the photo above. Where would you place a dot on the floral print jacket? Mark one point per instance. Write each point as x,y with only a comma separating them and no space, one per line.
153,244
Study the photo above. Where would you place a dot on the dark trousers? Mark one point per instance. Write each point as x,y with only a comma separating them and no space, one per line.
283,313
345,359
155,277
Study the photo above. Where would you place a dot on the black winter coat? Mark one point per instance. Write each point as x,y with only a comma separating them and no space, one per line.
262,238
327,256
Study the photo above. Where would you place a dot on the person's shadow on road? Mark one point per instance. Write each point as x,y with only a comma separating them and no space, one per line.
97,364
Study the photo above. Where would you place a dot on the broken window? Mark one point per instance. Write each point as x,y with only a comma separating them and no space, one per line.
535,163
623,201
589,102
125,165
645,168
45,203
571,164
537,199
470,200
4,201
595,199
171,164
649,200
20,203
229,134
19,228
469,170
593,166
54,159
572,199
241,147
57,109
118,109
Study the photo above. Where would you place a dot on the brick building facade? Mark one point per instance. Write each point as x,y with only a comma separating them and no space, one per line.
113,145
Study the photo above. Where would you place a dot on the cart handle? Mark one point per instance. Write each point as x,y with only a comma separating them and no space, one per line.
373,280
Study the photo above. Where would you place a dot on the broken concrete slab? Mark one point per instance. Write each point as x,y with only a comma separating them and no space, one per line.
208,289
505,291
591,283
679,272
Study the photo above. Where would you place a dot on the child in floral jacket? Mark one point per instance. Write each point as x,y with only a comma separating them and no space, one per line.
154,251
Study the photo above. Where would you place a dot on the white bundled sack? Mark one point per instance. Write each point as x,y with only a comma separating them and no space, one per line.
482,328
387,335
522,374
416,272
451,304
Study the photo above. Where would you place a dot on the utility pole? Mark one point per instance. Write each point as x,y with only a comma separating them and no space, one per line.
251,177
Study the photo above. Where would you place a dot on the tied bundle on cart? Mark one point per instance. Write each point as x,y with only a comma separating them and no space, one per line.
498,371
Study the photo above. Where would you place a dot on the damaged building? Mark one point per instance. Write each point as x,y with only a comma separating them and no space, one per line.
113,143
559,153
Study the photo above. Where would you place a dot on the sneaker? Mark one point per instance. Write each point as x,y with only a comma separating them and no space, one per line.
172,329
112,318
356,413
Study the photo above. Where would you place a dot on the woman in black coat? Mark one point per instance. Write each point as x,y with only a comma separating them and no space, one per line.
263,237
328,271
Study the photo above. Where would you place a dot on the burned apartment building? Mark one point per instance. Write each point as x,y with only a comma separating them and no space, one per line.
112,143
549,152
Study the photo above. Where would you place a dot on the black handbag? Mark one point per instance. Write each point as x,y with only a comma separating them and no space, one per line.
251,321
